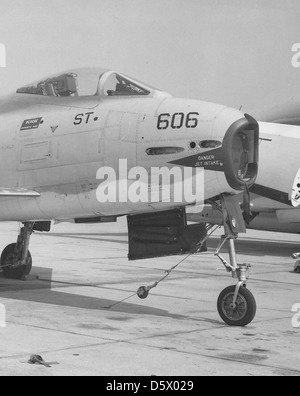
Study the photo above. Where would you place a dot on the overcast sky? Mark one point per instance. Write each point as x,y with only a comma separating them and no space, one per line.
234,52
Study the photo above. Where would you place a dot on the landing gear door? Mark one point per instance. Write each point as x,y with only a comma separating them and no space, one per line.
163,234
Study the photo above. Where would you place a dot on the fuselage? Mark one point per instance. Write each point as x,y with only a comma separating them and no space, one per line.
279,164
56,144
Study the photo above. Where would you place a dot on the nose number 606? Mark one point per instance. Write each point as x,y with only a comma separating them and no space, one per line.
177,120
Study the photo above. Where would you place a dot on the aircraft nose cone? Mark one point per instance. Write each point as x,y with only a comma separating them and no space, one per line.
240,150
236,156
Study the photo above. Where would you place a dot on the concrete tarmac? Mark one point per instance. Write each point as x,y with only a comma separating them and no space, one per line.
73,314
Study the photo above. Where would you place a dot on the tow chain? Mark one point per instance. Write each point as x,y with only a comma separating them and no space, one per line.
143,291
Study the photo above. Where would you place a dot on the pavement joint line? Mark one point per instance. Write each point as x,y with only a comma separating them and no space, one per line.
135,340
272,281
65,285
215,326
201,276
124,341
125,236
288,318
219,326
273,273
193,319
76,347
209,275
222,358
64,332
171,350
265,308
183,270
170,334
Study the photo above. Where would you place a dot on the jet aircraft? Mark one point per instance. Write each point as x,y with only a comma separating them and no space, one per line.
61,136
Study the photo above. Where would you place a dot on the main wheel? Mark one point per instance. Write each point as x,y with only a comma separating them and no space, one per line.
297,269
244,310
8,260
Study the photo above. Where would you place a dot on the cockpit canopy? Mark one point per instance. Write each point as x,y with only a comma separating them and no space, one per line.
88,82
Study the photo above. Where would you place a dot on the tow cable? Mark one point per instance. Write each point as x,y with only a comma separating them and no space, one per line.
143,291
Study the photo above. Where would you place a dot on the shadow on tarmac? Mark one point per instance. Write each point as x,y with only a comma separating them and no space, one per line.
38,289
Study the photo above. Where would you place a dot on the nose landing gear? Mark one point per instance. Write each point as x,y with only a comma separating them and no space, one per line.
236,304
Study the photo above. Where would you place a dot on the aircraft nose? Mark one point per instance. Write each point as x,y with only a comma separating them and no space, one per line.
231,150
241,153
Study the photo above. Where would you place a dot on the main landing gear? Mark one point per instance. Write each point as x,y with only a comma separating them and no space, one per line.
16,260
296,256
236,304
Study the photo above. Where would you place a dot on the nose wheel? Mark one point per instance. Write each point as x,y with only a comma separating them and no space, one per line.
237,308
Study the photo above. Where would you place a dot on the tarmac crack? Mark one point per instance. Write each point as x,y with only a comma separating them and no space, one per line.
223,358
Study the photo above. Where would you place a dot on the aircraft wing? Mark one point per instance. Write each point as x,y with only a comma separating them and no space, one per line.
18,192
285,113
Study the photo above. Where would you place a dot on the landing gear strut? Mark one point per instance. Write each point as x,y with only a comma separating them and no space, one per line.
16,260
296,256
236,304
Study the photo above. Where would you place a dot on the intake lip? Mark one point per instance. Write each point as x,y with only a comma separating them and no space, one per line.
241,150
237,158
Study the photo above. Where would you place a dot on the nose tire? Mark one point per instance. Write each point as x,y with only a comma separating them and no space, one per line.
245,308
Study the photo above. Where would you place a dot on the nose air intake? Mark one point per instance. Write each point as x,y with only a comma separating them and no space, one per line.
241,153
237,158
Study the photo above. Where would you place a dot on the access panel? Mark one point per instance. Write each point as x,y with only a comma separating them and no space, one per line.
163,234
